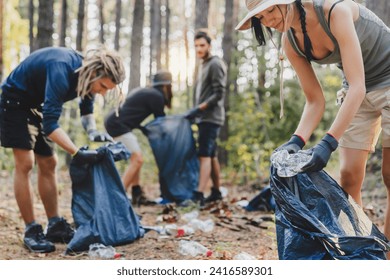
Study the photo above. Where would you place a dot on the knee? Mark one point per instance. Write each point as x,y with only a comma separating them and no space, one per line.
386,178
137,159
47,164
24,166
348,178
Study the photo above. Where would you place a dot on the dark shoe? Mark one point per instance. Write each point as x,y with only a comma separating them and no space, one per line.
138,197
59,231
35,240
198,198
214,196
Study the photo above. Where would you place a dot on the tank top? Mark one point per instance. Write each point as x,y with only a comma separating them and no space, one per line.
374,38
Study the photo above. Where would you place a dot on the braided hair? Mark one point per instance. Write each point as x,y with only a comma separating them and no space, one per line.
306,39
99,63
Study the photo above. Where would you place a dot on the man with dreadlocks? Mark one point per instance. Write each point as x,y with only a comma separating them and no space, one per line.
140,103
30,107
347,34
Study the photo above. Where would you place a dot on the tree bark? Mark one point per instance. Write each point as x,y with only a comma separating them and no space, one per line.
31,10
101,21
1,40
227,46
201,13
136,44
64,22
45,24
155,36
118,14
80,25
167,31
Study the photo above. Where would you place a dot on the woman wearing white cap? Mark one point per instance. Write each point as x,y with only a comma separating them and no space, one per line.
347,34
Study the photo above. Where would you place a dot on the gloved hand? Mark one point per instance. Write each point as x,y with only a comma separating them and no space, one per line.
192,113
321,154
97,136
293,145
87,157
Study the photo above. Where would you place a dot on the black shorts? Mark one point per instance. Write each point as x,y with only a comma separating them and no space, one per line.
21,128
207,139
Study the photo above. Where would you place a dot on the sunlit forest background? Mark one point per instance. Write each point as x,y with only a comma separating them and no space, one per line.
155,34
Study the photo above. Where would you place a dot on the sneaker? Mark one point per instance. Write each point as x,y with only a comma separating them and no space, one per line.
35,240
59,231
198,198
138,197
214,196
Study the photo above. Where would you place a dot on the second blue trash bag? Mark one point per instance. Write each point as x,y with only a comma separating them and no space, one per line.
100,207
174,149
316,219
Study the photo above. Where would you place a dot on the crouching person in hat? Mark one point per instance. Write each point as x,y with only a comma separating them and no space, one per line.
140,103
30,107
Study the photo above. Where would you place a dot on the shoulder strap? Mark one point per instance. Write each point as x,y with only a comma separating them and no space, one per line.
330,11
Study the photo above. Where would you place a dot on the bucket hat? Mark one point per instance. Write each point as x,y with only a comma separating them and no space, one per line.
162,77
256,6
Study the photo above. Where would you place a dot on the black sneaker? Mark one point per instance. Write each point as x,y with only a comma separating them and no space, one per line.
214,196
59,231
198,198
138,197
35,240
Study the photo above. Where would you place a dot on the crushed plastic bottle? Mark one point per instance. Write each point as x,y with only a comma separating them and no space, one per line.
178,231
205,226
243,256
190,216
193,249
100,251
289,165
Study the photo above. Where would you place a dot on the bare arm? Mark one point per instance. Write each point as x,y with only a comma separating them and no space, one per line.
62,139
315,101
352,65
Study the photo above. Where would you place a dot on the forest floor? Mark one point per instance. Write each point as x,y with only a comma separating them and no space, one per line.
235,229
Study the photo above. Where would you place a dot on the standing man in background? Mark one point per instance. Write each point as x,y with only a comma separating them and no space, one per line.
209,114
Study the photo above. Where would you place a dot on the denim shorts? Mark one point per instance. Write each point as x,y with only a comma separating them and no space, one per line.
22,128
208,133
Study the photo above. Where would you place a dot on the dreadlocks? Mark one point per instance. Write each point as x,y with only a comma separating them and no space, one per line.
99,63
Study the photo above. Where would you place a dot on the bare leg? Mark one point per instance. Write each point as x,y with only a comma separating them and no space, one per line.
386,179
24,162
204,173
47,184
215,172
132,174
353,169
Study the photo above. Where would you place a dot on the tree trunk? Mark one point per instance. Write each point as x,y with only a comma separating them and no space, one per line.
80,25
167,31
155,36
118,15
227,46
1,40
45,24
201,14
136,44
31,10
64,22
101,20
381,8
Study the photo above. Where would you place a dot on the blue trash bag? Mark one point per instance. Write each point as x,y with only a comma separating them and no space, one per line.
264,201
316,219
100,207
174,149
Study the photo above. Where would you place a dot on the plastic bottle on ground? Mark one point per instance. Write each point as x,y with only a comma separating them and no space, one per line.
193,249
243,256
205,226
100,251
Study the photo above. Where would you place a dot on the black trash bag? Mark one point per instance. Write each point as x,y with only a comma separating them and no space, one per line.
264,201
316,219
100,207
174,149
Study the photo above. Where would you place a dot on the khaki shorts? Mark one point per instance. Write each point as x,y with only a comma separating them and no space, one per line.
129,140
372,117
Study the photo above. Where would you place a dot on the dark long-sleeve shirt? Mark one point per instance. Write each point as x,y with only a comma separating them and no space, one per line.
46,79
212,91
140,104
